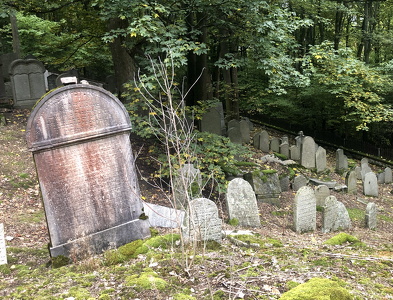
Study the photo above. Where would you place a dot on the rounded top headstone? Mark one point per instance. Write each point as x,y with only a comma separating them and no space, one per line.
74,113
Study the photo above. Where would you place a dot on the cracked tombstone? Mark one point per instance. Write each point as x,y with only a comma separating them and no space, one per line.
242,203
201,222
305,210
79,136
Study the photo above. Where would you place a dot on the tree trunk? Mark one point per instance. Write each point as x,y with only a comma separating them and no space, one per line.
15,35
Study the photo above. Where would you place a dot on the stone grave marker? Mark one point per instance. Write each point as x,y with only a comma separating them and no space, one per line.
162,216
381,178
307,155
371,216
244,127
212,120
321,193
298,182
370,184
358,171
335,216
201,222
351,181
233,123
51,79
186,180
285,183
294,153
320,159
28,82
284,149
264,143
256,140
275,144
234,135
365,169
364,161
341,160
80,139
388,175
266,186
305,210
242,203
3,251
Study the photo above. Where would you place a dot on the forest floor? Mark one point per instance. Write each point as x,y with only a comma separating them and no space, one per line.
225,272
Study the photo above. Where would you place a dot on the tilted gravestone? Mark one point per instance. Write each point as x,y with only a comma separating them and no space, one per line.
298,182
388,175
256,140
335,216
351,182
370,184
188,181
266,186
242,203
162,216
264,142
371,216
320,159
307,156
28,82
80,139
321,193
305,210
201,222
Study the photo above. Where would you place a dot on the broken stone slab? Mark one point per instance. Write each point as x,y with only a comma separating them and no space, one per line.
329,184
162,216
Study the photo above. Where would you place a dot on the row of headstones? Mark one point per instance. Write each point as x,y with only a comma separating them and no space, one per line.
200,220
334,217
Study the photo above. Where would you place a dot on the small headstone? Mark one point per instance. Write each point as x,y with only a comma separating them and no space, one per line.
212,120
321,193
381,178
244,126
162,216
365,169
234,135
201,222
364,161
299,139
341,160
371,216
370,184
242,203
80,139
307,156
256,140
3,251
187,179
351,182
51,79
233,123
284,149
284,139
388,175
275,144
358,171
266,186
28,82
294,152
305,210
335,216
298,182
320,159
264,143
285,183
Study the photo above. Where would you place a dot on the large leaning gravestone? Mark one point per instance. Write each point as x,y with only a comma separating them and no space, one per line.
79,136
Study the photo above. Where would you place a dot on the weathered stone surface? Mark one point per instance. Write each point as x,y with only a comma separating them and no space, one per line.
381,178
320,159
358,171
285,183
264,143
242,203
305,210
298,182
388,175
244,127
294,152
266,186
329,184
321,193
371,216
28,82
234,135
284,149
162,216
3,251
370,184
201,222
233,123
307,157
335,216
341,161
79,136
352,182
275,145
185,181
364,170
256,140
212,120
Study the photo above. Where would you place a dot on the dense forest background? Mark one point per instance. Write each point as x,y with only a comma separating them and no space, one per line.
319,64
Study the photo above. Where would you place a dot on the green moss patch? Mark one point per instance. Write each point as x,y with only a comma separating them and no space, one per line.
343,238
147,280
318,289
